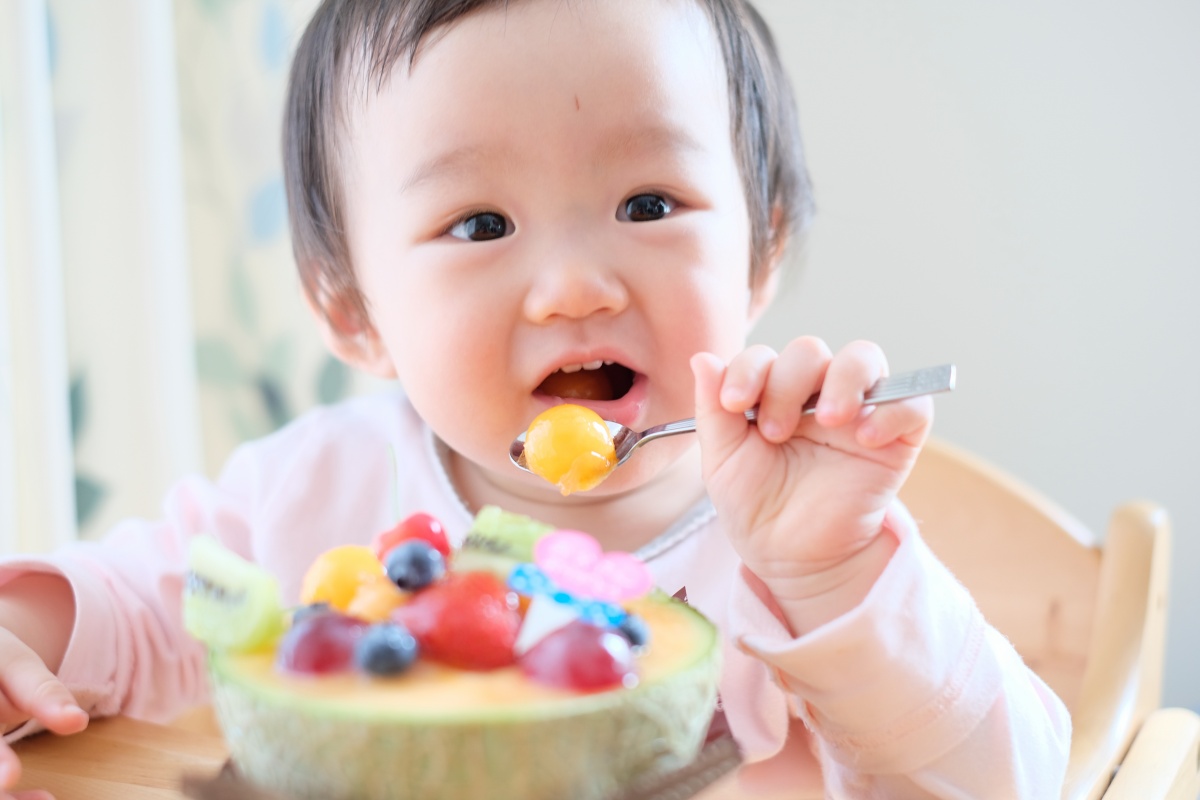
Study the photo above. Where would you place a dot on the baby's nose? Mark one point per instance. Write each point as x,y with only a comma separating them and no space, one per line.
575,286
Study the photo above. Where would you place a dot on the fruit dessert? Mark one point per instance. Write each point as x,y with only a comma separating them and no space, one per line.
527,664
570,446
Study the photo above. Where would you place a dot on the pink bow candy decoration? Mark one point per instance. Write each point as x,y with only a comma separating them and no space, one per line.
577,564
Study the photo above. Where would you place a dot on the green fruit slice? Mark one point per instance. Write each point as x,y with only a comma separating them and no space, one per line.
229,603
498,541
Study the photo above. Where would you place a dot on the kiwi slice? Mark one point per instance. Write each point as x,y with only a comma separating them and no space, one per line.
229,603
498,541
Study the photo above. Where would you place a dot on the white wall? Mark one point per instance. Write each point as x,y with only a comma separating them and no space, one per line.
1015,187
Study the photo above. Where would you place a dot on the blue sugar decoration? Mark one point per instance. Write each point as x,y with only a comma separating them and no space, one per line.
529,580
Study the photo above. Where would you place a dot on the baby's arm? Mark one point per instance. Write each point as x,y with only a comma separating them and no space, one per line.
96,628
906,688
912,693
37,612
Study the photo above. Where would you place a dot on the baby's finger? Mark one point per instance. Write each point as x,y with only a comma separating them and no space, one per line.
10,715
853,371
10,773
720,431
10,769
35,690
908,421
26,794
745,377
795,376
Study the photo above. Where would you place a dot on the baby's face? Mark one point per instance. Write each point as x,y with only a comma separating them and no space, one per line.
552,185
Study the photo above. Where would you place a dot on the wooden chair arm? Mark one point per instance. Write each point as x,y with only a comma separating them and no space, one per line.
1163,761
1122,684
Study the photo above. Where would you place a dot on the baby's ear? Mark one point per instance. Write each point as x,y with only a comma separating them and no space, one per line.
763,290
350,336
765,284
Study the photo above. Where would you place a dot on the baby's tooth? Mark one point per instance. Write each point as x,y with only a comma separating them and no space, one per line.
571,368
593,364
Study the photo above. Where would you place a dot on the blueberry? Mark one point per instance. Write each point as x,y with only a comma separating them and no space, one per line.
415,564
385,649
634,629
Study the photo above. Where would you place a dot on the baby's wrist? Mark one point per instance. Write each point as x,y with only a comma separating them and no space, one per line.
807,602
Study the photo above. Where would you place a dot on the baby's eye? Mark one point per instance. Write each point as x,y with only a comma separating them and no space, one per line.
480,227
645,208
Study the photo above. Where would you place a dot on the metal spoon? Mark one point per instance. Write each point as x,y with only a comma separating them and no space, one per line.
930,380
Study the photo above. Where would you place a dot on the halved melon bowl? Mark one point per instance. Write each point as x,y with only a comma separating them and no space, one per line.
498,700
438,733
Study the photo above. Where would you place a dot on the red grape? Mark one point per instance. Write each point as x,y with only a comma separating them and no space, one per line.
581,656
321,643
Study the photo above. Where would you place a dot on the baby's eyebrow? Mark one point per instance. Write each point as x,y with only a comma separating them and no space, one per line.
646,141
621,144
456,161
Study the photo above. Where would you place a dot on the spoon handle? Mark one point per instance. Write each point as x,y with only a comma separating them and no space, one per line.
891,389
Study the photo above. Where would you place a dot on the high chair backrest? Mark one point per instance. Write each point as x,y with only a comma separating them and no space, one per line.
1089,618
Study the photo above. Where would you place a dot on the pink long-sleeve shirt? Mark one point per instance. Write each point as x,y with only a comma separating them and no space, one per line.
911,694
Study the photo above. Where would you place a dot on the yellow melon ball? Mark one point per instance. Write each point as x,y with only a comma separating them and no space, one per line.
336,575
571,447
376,599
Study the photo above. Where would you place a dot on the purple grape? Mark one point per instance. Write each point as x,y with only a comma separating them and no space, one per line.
320,643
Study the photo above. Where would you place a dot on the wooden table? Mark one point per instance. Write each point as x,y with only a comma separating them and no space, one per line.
125,759
119,759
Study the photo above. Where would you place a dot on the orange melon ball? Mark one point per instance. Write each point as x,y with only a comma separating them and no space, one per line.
337,574
571,447
376,599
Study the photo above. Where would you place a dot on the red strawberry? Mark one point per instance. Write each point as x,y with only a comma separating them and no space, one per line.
417,526
465,621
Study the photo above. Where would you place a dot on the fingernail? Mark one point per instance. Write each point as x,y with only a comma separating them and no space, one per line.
770,430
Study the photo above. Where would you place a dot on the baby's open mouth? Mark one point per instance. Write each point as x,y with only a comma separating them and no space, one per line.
599,380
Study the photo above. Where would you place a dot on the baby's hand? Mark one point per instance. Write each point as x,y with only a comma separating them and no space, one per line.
30,691
804,498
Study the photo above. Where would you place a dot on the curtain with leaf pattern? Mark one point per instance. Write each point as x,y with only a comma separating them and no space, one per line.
150,314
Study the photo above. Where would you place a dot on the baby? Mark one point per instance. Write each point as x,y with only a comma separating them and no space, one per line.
509,205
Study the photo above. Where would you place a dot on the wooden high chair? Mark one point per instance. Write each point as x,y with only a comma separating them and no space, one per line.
1087,617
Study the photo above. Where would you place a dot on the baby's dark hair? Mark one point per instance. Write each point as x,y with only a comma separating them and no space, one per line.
353,45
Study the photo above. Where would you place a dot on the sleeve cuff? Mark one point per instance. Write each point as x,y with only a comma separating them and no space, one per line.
899,680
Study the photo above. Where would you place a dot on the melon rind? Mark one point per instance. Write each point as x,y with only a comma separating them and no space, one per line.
585,747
